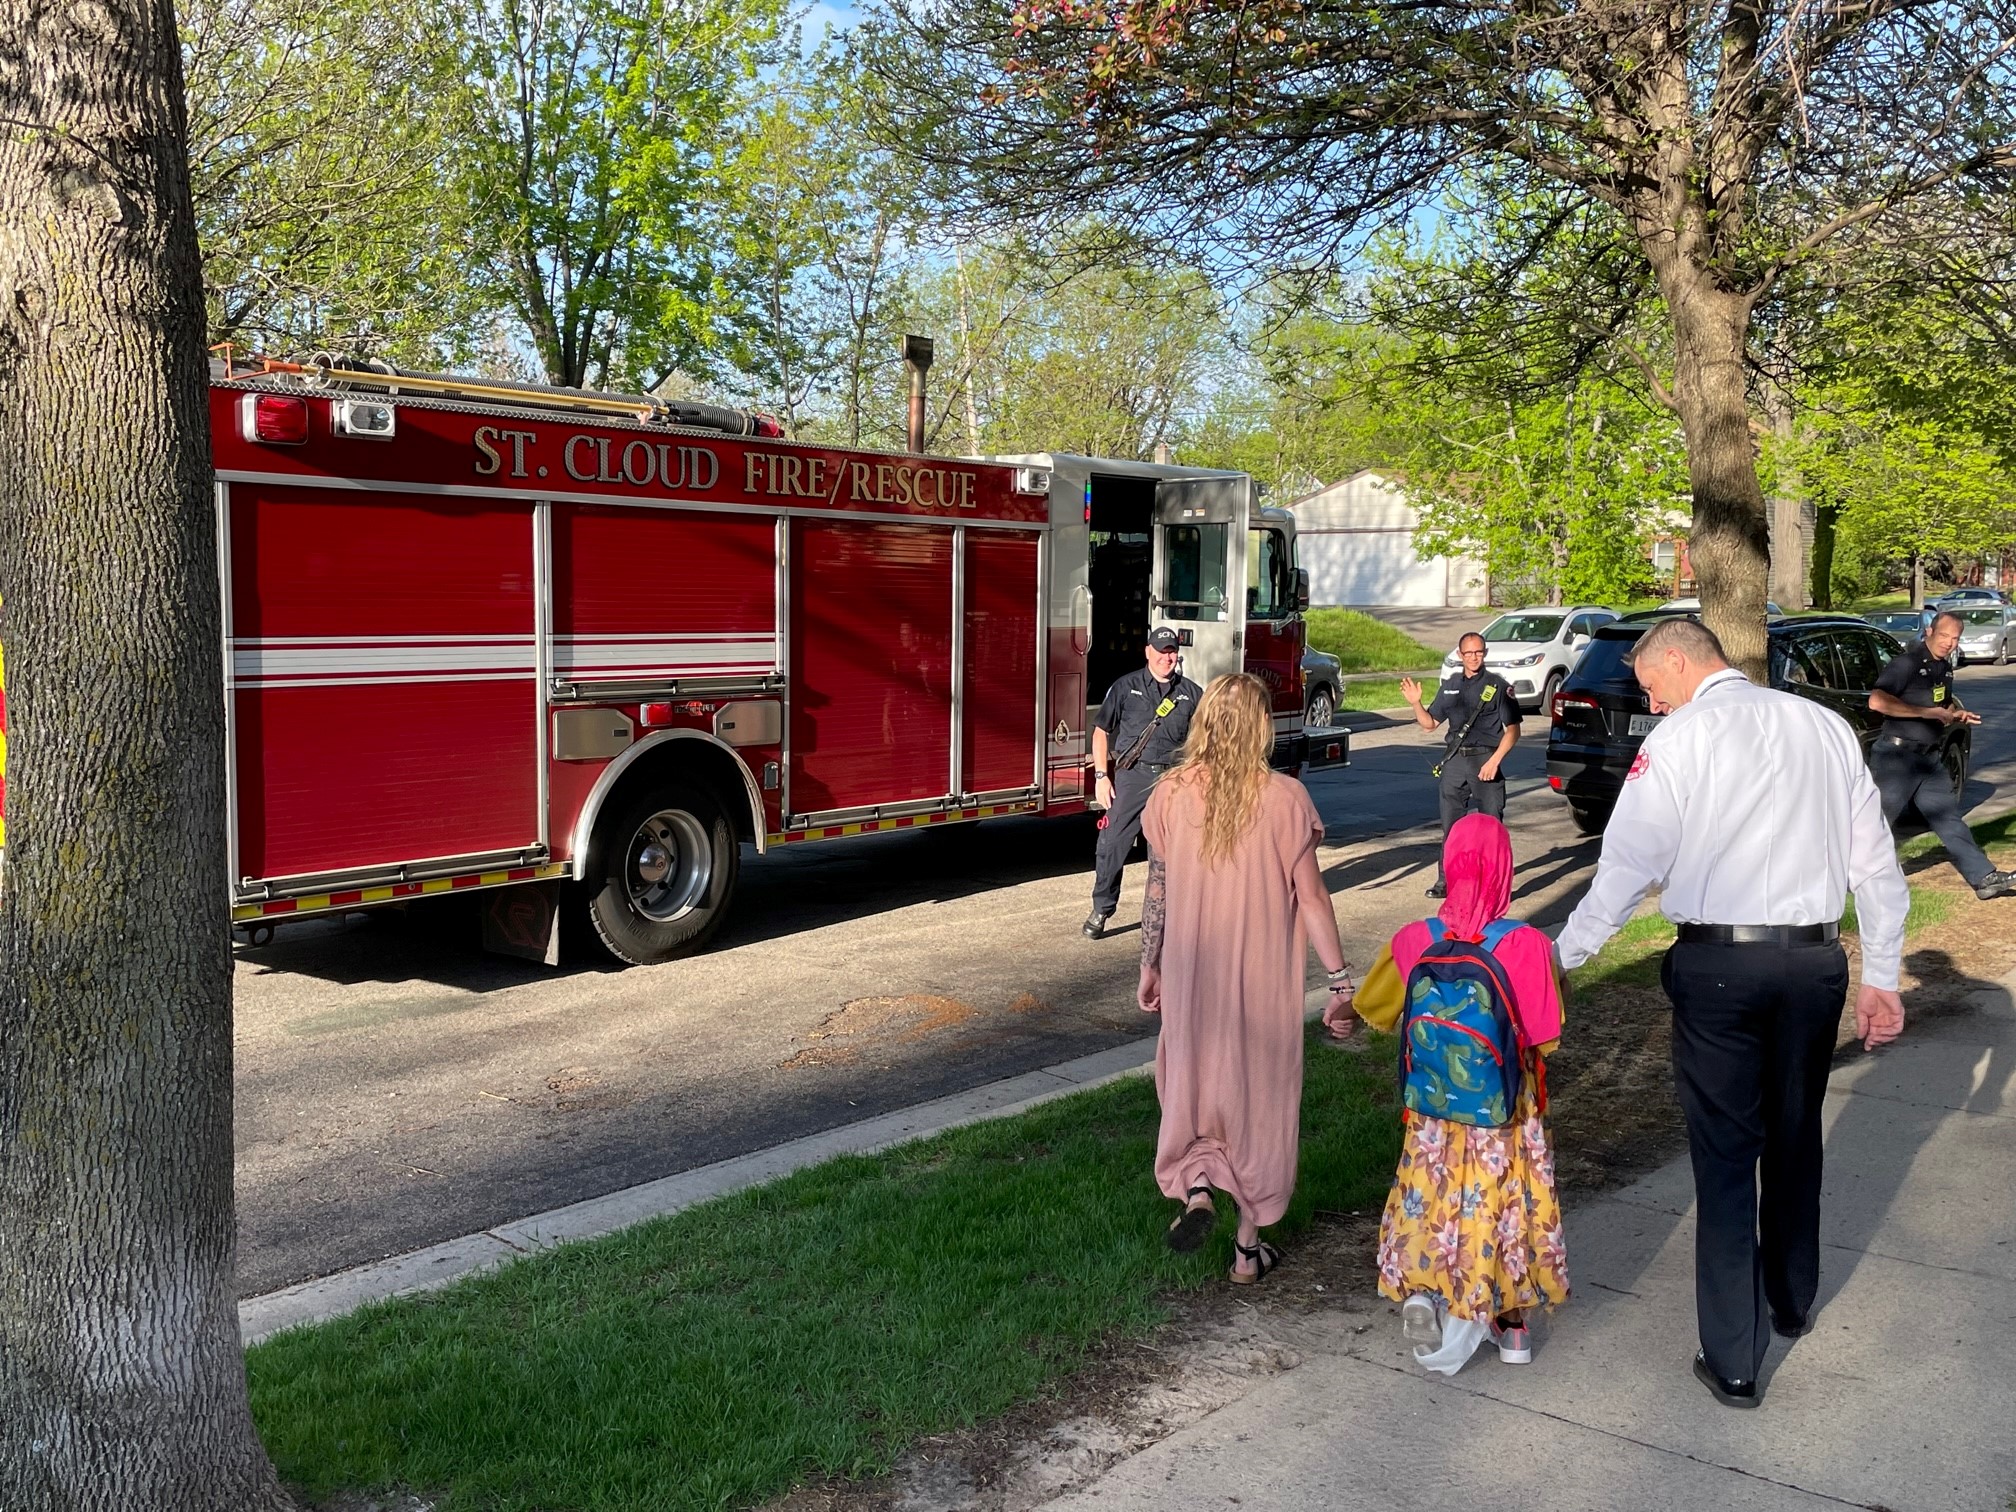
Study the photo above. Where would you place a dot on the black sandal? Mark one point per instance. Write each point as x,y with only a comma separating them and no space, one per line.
1264,1257
1194,1224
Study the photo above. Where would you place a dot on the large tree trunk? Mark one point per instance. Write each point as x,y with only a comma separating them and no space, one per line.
1824,516
1729,545
1789,562
122,1382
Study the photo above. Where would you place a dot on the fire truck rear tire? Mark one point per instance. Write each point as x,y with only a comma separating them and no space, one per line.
668,862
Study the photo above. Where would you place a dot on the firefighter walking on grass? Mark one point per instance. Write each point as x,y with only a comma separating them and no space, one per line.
1137,736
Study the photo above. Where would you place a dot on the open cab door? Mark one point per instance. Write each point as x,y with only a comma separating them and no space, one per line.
1199,580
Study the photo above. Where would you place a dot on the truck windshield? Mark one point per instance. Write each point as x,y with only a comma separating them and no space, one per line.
1522,627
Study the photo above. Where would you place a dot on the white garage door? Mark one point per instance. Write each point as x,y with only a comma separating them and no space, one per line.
1371,567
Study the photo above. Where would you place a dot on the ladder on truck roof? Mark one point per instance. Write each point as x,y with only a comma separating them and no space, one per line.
326,371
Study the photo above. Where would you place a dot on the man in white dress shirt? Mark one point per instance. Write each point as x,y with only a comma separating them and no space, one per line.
1753,813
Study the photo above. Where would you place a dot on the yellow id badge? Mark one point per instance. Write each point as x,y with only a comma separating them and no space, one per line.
1939,694
1165,708
1486,694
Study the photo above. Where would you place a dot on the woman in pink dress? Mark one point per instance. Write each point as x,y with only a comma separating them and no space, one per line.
1235,900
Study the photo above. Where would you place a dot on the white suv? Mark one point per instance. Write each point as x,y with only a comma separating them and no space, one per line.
1535,649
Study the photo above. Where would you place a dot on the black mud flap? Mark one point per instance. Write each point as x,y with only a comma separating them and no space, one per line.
523,921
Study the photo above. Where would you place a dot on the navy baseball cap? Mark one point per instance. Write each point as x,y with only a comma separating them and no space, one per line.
1162,638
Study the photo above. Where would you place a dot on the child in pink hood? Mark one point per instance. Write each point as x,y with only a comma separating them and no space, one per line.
1471,1237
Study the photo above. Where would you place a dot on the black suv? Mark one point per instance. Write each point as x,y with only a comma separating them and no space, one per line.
1601,715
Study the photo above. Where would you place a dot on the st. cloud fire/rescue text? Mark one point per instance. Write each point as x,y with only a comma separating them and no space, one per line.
663,464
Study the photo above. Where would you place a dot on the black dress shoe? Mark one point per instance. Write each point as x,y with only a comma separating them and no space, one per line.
1438,891
1095,926
1790,1325
1728,1393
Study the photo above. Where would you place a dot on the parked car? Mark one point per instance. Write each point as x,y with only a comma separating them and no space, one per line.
1534,649
1984,633
1601,716
1322,682
1693,606
1905,624
1962,598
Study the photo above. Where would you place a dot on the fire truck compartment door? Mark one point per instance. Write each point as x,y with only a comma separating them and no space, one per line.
1200,569
384,692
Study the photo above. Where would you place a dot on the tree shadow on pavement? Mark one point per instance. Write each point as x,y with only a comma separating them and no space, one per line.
1899,1102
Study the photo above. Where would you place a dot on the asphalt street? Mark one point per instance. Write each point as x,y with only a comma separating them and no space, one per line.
398,1087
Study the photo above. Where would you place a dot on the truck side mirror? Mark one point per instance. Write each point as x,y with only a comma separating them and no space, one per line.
1301,588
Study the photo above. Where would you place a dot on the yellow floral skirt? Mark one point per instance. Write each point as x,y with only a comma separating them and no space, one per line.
1473,1217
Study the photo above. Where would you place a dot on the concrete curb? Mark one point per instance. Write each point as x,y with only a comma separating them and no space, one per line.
328,1297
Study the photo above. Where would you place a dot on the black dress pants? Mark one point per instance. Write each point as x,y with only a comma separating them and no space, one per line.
1753,1037
1463,789
1910,775
1131,787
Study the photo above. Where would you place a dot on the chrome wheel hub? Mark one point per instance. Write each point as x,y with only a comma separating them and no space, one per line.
669,866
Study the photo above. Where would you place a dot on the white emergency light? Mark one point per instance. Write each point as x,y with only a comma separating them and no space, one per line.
1032,480
372,419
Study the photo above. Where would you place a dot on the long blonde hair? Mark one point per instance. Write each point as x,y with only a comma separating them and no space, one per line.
1226,754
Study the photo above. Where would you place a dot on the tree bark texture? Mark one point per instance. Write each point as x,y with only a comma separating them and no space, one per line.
122,1382
1790,567
1729,543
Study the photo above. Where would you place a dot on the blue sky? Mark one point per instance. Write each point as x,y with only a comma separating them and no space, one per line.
824,15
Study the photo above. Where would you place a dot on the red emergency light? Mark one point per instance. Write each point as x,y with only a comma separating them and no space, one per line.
655,715
275,419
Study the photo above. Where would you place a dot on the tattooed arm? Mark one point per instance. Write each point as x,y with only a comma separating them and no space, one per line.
1154,913
1154,919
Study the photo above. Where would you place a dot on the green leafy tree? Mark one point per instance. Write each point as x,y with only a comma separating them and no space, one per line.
598,178
320,137
1558,497
826,228
1904,487
1720,146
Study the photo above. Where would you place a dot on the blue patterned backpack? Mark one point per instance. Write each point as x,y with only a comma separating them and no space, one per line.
1461,1051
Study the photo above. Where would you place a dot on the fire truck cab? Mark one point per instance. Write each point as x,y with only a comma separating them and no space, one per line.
1138,544
575,650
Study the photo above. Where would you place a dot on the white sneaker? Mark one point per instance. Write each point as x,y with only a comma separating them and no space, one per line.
1421,1321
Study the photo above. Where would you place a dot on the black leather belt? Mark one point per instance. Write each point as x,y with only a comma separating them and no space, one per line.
1759,934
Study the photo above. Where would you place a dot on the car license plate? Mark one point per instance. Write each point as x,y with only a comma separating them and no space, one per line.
1641,724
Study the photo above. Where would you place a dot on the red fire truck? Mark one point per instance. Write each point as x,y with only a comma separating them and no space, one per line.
581,648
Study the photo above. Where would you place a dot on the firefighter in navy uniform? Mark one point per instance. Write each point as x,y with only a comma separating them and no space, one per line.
1137,736
1915,696
1483,722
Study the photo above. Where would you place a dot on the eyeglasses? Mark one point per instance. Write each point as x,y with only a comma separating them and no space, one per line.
1475,651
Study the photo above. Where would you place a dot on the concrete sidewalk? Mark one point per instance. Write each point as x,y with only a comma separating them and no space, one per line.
1902,1398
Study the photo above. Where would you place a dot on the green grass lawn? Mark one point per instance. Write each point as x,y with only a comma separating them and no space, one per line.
1632,957
1369,696
813,1327
1364,644
816,1326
